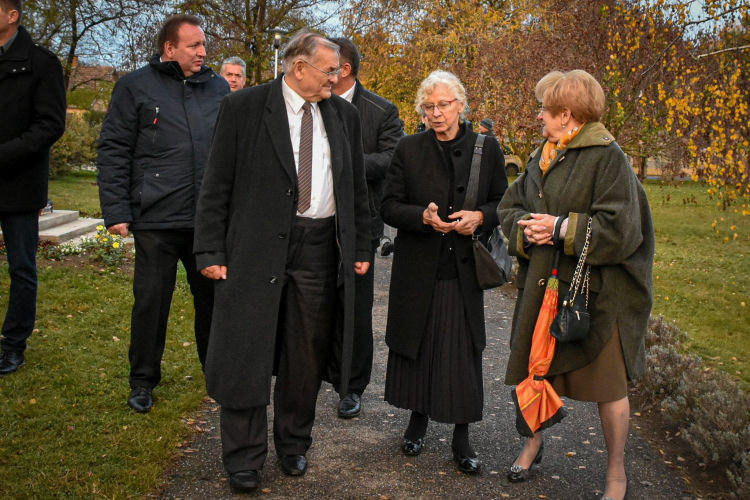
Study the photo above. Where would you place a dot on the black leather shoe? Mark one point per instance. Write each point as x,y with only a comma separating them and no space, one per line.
412,447
350,406
141,399
466,464
10,361
293,465
386,249
245,480
517,474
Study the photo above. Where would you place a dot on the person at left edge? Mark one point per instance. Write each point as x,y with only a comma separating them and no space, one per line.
32,118
283,226
151,156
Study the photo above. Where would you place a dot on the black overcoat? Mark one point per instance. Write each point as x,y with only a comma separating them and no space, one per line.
32,118
418,175
246,211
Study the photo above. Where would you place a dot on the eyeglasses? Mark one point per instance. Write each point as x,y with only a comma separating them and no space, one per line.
443,106
327,73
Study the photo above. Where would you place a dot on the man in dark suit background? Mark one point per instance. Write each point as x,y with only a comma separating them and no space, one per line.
32,118
381,131
282,225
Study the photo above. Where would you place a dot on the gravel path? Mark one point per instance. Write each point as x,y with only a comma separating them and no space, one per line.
361,458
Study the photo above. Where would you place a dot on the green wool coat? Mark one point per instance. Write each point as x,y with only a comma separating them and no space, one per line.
590,178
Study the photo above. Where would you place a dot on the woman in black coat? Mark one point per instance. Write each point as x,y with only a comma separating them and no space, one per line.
435,329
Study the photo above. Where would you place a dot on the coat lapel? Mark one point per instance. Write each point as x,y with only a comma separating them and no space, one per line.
277,122
336,137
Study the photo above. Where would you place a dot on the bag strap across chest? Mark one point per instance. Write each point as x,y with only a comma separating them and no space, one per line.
470,202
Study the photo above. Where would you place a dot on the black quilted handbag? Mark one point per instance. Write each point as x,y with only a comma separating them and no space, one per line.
572,321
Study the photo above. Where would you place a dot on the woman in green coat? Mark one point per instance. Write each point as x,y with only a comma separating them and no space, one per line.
579,173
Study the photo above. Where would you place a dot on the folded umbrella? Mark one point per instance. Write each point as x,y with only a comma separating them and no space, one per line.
537,404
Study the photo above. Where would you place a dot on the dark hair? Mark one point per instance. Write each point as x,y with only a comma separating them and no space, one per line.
9,5
170,32
348,53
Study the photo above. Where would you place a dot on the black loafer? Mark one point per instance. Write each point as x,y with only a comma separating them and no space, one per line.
518,474
10,361
293,465
245,480
386,249
412,447
466,464
350,406
141,399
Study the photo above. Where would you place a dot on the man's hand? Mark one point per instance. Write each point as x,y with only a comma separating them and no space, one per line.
361,267
215,272
431,218
121,229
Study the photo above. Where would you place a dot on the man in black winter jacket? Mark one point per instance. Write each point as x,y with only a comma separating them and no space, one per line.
32,118
381,131
152,153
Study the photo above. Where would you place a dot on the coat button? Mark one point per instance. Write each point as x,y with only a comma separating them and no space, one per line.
460,189
542,282
465,260
540,194
289,192
157,175
272,280
457,153
282,235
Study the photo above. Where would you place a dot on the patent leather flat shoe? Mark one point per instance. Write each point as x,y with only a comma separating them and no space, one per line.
141,399
293,465
518,474
246,480
627,487
412,447
10,361
466,464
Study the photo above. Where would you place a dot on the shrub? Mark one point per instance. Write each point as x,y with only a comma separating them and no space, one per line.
77,146
106,248
712,410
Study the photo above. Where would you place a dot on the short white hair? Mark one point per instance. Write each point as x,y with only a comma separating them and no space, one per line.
236,61
446,79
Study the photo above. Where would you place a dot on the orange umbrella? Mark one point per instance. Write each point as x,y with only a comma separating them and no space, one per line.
537,404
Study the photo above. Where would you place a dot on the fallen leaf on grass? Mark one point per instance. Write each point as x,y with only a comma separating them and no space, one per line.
185,344
266,490
32,402
115,339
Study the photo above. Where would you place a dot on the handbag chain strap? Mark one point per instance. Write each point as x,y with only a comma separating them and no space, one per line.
581,278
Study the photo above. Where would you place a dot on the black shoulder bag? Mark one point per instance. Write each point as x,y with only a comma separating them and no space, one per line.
572,321
492,263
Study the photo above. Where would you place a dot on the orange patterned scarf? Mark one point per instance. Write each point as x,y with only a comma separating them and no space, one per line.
551,149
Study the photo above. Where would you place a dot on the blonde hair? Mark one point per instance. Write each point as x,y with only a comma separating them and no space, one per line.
435,79
576,90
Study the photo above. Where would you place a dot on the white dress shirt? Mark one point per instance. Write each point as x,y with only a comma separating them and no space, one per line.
349,94
322,201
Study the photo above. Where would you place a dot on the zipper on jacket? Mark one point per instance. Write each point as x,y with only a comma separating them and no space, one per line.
156,120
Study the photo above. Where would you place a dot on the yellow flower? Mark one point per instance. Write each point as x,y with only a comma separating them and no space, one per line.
99,227
115,245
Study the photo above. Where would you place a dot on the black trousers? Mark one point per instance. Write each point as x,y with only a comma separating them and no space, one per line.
21,236
303,347
362,345
156,255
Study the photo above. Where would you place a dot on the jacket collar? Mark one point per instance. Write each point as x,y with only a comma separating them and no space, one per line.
358,89
173,69
592,134
19,49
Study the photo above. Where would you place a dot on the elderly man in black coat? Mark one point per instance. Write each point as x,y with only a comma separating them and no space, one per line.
283,226
152,153
32,118
381,131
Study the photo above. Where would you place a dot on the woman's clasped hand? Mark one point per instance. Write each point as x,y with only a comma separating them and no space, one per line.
464,222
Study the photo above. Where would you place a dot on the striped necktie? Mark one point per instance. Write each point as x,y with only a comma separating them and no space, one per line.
304,173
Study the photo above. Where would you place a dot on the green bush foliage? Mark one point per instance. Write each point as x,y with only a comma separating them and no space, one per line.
712,410
77,146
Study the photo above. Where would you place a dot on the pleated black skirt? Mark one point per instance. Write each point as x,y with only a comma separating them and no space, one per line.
445,381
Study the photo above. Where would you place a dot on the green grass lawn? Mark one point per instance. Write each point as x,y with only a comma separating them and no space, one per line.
700,280
76,191
65,428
